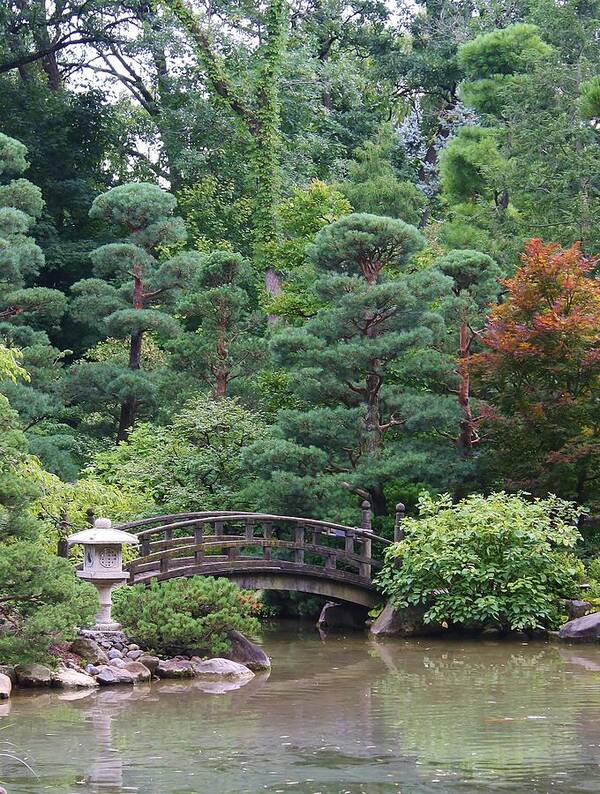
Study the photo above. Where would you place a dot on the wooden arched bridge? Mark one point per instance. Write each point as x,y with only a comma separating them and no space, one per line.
262,552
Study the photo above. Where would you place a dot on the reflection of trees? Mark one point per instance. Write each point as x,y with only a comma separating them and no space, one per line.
482,709
345,713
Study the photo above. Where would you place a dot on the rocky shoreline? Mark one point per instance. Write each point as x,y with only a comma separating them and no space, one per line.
96,658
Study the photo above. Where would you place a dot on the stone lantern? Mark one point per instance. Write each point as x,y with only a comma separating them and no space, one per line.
103,564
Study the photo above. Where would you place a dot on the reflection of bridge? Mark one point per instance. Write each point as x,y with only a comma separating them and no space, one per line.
262,552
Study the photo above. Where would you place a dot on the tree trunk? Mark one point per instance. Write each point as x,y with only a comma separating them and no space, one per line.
372,423
221,371
378,501
129,406
42,41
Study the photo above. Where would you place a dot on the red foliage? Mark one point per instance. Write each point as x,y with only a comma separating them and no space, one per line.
551,315
540,371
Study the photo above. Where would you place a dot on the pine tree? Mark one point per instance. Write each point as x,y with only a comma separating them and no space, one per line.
344,364
474,285
222,343
131,294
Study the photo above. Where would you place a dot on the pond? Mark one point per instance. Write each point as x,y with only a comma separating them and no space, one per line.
337,714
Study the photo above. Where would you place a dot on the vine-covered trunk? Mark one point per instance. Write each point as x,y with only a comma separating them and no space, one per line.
266,132
468,433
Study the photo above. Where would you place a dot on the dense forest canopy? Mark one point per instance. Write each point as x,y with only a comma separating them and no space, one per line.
291,255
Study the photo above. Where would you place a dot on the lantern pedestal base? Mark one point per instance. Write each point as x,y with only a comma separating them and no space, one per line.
104,621
107,627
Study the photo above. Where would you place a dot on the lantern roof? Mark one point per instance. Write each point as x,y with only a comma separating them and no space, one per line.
102,534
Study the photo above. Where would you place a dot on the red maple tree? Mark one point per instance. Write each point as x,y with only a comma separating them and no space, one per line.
540,369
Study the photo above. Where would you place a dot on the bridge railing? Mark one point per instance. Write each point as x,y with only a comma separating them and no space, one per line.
213,541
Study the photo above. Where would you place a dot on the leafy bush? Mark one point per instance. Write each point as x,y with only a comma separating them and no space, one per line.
186,613
594,569
499,561
194,463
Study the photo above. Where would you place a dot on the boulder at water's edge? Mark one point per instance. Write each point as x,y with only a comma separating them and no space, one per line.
583,629
5,686
33,675
218,669
247,653
406,622
342,616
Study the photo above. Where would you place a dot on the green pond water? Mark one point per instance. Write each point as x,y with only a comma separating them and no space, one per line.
336,714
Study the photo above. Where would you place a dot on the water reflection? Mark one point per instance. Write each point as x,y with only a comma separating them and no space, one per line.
343,715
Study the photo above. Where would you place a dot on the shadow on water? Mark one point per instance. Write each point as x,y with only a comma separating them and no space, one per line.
343,714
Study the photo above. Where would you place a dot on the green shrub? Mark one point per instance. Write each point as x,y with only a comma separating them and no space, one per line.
41,602
186,613
594,569
593,577
499,561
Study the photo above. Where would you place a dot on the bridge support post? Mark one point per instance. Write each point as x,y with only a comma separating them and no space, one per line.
367,543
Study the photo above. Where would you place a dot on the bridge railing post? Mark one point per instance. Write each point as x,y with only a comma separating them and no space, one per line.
364,569
299,541
268,535
398,529
233,552
349,541
198,539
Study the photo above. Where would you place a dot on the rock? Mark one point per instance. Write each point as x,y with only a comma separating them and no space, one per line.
9,670
33,675
135,654
577,609
91,669
491,634
71,679
247,653
120,663
106,638
89,650
341,616
586,628
218,669
115,654
175,668
151,662
109,675
133,647
5,687
139,670
402,623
